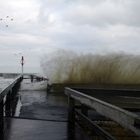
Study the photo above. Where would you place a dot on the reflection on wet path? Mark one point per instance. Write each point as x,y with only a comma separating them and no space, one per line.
42,105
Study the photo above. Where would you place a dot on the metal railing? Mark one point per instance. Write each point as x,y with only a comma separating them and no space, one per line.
6,103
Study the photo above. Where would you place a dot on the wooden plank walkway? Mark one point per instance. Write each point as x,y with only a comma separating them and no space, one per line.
42,116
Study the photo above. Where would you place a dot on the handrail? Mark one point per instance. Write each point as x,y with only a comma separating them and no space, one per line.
6,107
127,119
9,87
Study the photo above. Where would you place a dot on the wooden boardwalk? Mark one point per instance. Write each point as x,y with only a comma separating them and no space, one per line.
42,116
33,113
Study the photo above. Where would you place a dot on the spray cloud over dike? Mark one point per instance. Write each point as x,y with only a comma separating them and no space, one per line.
70,67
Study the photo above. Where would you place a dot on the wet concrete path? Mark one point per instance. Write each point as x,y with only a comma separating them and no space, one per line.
41,116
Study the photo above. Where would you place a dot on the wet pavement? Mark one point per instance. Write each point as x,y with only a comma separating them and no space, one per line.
40,105
41,116
25,129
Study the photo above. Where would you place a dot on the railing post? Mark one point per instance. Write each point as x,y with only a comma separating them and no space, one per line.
13,97
8,105
71,118
71,113
1,121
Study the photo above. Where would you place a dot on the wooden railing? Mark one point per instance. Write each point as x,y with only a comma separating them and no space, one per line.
124,117
6,103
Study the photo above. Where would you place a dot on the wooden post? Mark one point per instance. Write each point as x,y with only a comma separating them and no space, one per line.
71,113
1,121
13,100
8,105
71,119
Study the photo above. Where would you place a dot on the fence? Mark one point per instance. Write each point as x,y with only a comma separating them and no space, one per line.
123,117
7,103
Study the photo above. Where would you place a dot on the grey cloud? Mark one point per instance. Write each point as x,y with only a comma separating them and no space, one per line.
104,12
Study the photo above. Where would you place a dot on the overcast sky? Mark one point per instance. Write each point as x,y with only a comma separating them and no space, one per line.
35,27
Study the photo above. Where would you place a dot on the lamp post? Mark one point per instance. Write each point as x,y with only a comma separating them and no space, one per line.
22,63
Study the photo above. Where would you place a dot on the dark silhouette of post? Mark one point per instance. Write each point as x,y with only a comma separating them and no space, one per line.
32,78
1,121
22,63
71,119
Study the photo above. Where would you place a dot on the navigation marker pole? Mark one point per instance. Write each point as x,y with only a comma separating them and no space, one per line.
22,63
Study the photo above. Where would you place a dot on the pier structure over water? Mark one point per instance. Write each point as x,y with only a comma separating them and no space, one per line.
78,113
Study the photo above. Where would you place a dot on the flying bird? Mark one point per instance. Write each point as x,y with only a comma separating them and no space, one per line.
7,19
